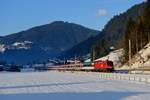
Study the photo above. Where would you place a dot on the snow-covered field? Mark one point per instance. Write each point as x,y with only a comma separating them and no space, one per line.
68,86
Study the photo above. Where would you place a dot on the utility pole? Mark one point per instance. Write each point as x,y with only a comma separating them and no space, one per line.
64,61
93,56
75,61
129,54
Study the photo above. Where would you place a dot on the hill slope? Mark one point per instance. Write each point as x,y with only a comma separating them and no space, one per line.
140,60
46,41
114,31
111,35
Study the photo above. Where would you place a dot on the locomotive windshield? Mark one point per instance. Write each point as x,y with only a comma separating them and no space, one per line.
110,63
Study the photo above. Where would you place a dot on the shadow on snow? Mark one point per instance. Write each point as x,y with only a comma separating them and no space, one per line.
105,95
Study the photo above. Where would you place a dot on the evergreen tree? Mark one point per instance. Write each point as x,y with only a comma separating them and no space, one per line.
128,36
100,49
138,32
146,19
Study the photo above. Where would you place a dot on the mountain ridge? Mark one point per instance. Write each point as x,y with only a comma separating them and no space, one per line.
52,39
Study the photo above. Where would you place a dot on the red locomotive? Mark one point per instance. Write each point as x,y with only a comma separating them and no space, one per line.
104,65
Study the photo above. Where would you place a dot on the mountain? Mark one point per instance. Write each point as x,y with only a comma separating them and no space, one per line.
43,42
138,32
112,35
82,48
114,30
66,40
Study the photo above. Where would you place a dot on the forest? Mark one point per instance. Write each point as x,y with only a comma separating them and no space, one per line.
137,33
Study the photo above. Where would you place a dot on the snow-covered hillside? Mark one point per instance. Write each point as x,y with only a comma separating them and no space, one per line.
2,48
21,45
68,86
16,45
115,56
141,60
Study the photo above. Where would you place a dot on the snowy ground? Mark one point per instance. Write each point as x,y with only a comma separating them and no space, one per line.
141,59
68,86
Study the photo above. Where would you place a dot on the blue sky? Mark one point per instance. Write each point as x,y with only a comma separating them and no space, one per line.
18,15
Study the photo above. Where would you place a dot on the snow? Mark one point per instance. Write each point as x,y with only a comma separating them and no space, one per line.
141,59
27,69
115,56
88,60
16,45
28,42
55,85
21,45
2,48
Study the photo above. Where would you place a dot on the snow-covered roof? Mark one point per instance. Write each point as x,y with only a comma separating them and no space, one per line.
88,60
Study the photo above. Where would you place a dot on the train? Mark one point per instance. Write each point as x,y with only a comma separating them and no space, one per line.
105,66
87,65
99,65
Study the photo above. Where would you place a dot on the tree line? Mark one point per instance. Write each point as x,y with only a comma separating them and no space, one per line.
137,32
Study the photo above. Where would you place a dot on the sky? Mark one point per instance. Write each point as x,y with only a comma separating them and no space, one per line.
19,15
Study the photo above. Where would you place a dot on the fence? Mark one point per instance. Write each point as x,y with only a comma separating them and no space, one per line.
129,77
118,76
